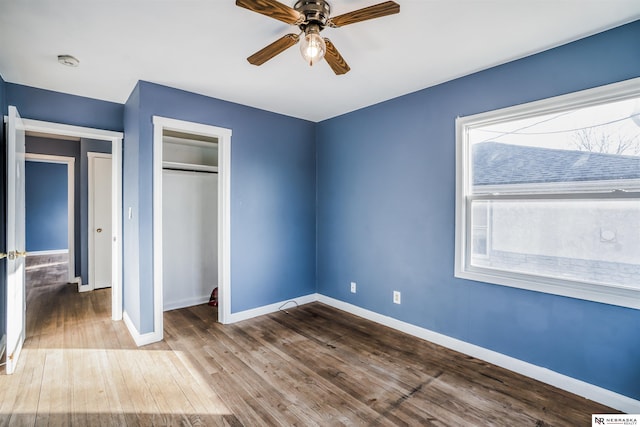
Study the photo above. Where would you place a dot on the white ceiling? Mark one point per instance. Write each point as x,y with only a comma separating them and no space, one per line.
201,46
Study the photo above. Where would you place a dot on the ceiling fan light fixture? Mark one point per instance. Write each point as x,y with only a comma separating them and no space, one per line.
312,46
311,17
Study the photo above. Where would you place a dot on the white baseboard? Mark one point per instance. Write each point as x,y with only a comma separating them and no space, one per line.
272,308
187,302
50,252
138,338
572,385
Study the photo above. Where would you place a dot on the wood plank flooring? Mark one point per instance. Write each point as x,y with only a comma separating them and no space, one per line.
47,269
309,366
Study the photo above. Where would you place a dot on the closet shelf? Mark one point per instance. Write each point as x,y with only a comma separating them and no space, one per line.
189,167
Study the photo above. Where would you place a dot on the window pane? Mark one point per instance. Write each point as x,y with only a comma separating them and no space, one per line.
597,143
479,241
479,214
589,241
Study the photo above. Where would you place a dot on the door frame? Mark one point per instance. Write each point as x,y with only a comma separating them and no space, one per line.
70,162
224,213
116,193
91,155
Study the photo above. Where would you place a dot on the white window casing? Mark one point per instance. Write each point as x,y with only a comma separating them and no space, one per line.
529,199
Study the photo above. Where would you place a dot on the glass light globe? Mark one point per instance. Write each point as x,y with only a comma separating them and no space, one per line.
313,46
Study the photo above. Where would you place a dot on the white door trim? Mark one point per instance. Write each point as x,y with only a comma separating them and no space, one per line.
70,162
116,193
224,213
90,212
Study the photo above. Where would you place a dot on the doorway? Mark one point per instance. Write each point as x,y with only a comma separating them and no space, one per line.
202,135
37,127
50,222
189,231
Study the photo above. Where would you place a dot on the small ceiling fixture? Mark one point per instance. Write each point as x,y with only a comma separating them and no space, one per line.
68,60
311,17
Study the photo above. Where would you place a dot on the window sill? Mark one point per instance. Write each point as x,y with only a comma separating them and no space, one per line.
613,295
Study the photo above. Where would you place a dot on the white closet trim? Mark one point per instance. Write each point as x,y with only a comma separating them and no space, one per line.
224,213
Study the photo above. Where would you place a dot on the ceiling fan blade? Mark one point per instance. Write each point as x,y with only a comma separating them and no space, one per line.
334,59
375,11
273,9
278,46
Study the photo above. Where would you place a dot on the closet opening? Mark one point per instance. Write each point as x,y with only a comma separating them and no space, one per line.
191,217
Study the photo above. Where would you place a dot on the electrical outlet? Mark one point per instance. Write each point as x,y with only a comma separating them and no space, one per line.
353,287
396,297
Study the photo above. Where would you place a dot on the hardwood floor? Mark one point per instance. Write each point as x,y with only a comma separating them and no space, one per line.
311,366
47,269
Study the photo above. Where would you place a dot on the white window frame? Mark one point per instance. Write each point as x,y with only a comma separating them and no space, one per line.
609,294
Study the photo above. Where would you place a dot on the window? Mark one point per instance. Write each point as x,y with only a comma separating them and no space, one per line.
548,195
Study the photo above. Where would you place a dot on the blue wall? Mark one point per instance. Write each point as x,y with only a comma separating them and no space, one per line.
3,99
385,218
130,230
78,150
66,148
40,104
56,107
272,194
46,206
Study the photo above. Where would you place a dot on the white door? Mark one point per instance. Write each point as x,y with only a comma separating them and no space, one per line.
16,302
99,220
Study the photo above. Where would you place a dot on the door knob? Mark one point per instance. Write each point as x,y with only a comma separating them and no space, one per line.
99,230
13,255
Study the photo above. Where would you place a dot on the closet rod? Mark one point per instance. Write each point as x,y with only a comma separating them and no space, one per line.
188,170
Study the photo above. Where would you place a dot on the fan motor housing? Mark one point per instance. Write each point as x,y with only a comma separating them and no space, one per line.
314,11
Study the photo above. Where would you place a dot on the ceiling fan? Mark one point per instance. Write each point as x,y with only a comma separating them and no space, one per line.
311,17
